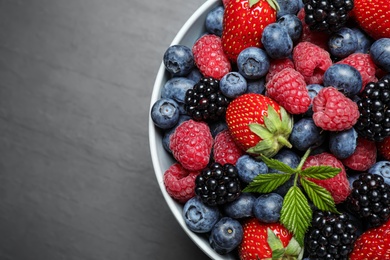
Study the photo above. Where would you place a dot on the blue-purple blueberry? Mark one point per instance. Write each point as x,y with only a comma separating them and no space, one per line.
344,77
217,126
342,42
267,207
195,75
199,217
253,63
293,25
176,88
305,134
256,85
248,168
276,41
364,41
226,235
380,53
178,60
343,144
165,113
233,84
313,90
381,168
214,20
287,7
242,207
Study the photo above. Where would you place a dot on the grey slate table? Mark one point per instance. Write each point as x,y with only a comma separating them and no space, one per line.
76,178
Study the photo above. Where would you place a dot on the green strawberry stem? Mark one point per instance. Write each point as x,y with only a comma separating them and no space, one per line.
282,140
273,3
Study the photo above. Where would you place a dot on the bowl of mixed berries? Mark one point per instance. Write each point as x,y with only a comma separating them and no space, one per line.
269,129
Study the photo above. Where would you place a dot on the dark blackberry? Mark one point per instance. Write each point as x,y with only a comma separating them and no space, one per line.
217,184
205,101
370,199
331,236
327,15
374,107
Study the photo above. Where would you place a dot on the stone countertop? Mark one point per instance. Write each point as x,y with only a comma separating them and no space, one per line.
76,178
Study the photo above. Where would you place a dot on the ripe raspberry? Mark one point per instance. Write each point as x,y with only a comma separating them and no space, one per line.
277,65
180,183
334,111
384,148
311,61
363,157
318,38
191,144
210,58
225,149
288,88
338,186
364,64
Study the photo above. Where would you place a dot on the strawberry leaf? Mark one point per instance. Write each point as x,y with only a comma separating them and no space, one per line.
272,121
277,165
260,131
293,248
320,172
320,197
265,183
296,213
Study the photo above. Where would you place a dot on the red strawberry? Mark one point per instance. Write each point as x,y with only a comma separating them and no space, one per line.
180,183
373,17
257,244
245,118
338,186
210,58
374,244
288,88
334,111
384,148
225,149
243,24
363,157
191,144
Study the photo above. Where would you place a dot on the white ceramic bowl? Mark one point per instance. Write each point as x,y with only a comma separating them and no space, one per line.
188,34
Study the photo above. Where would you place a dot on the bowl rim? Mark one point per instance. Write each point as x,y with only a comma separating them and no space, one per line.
173,205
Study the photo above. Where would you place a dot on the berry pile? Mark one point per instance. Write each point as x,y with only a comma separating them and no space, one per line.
280,129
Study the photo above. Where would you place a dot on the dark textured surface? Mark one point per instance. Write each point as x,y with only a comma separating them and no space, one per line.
76,178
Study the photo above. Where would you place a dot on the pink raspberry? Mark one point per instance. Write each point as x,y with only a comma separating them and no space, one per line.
210,57
334,111
311,61
338,186
277,65
364,64
225,149
180,183
363,157
318,38
191,144
288,88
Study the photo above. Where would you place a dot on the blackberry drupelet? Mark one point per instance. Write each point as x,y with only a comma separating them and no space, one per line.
374,107
370,199
205,101
327,15
218,184
331,236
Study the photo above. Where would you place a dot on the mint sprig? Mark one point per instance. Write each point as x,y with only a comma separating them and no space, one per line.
296,212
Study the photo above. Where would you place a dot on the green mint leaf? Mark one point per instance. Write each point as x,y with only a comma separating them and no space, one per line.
277,165
296,213
267,182
320,196
320,172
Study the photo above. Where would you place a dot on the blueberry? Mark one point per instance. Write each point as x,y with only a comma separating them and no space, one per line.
169,132
343,144
276,41
313,90
248,168
342,43
381,168
253,63
199,217
226,235
165,113
176,88
178,60
241,207
217,127
214,20
233,84
292,24
267,207
195,75
364,41
352,177
287,7
256,85
380,53
305,134
290,158
344,77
